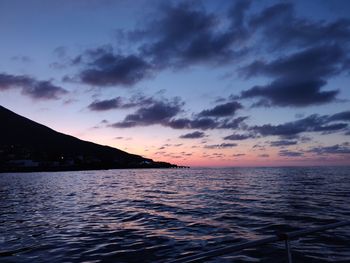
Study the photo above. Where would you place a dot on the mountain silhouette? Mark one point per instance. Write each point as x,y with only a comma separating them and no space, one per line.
26,145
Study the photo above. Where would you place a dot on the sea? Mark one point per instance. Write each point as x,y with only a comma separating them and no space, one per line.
159,215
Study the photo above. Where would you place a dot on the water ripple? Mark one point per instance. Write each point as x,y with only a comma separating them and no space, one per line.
159,215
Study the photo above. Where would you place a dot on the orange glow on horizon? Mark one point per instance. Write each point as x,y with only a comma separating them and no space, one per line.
194,154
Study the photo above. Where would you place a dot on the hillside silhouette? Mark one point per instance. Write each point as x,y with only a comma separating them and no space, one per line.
26,145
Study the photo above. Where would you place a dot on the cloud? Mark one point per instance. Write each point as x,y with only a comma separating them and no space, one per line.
199,123
341,116
283,143
103,67
312,123
180,35
299,77
60,52
185,34
116,103
292,128
238,154
286,92
105,104
319,61
281,28
136,101
165,112
239,137
259,146
203,124
238,15
222,110
287,153
43,90
29,86
206,123
159,112
271,15
193,135
264,155
220,146
334,149
233,123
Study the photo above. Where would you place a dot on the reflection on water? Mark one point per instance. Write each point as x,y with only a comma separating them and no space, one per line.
158,215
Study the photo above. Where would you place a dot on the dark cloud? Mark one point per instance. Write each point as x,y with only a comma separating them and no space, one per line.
335,149
206,123
331,127
286,129
238,154
259,146
193,135
239,137
315,62
102,105
43,90
118,70
281,27
135,101
222,110
199,123
103,67
182,123
293,128
341,116
299,77
312,123
233,123
159,112
287,153
36,89
238,15
283,143
179,35
220,146
116,103
285,92
186,34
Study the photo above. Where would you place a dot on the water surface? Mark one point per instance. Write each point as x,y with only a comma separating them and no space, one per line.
159,215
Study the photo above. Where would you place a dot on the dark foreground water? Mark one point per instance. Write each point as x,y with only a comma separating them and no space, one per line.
158,215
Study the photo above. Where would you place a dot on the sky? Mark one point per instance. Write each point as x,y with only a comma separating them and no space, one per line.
198,83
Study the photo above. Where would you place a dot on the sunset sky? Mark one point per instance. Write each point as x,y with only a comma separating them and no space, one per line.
199,83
